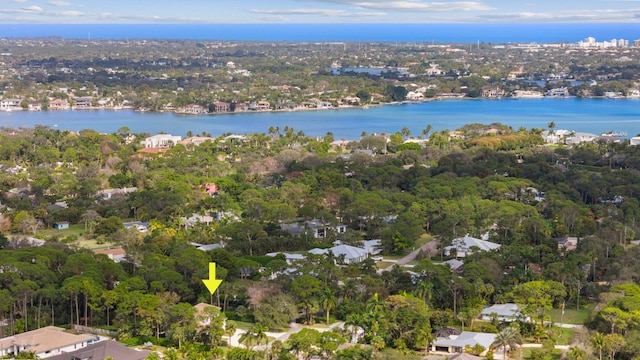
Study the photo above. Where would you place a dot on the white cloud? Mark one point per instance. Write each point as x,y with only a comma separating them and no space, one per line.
413,5
323,12
592,16
58,3
33,8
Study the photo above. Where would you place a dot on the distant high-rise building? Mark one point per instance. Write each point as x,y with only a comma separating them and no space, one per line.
636,42
590,40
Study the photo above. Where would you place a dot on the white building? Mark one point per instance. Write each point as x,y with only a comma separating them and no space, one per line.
502,312
468,245
161,141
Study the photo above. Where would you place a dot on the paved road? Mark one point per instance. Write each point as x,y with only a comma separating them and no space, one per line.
429,248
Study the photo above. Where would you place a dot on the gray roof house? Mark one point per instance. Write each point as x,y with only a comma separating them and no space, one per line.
103,350
503,312
467,245
457,343
316,226
352,254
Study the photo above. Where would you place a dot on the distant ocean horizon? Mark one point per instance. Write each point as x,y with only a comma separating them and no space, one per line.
421,33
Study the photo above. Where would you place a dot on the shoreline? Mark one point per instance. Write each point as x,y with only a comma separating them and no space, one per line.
337,108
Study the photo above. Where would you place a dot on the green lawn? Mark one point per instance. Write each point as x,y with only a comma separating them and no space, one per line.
73,230
563,335
571,315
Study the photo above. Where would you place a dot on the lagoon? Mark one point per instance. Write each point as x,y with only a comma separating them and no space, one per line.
582,115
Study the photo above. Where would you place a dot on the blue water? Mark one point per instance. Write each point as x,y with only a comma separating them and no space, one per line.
449,33
582,115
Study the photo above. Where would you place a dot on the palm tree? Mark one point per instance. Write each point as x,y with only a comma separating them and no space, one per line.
260,333
509,337
328,301
599,342
247,338
425,132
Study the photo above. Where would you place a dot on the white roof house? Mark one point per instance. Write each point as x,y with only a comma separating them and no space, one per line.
161,141
503,312
352,254
467,245
635,141
457,343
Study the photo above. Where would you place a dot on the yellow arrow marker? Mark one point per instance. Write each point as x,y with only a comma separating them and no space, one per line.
211,283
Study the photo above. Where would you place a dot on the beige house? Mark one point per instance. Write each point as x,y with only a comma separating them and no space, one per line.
45,342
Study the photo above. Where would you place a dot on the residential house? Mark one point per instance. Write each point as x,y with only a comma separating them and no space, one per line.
635,141
455,265
317,228
200,314
161,141
263,106
493,93
61,225
372,247
502,312
116,254
525,94
35,106
45,342
567,243
196,219
58,104
558,92
195,140
83,102
10,104
108,194
193,109
211,189
349,254
289,258
457,343
220,106
207,247
468,245
103,350
141,226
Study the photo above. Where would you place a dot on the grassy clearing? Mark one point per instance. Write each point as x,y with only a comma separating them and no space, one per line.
384,264
571,315
563,336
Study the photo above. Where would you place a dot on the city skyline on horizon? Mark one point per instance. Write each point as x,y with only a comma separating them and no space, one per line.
317,11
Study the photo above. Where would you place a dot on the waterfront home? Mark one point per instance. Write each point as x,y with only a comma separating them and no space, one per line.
193,109
558,92
493,93
220,106
34,106
83,102
58,104
10,104
527,94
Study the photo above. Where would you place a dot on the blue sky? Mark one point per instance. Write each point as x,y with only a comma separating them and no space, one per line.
317,11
